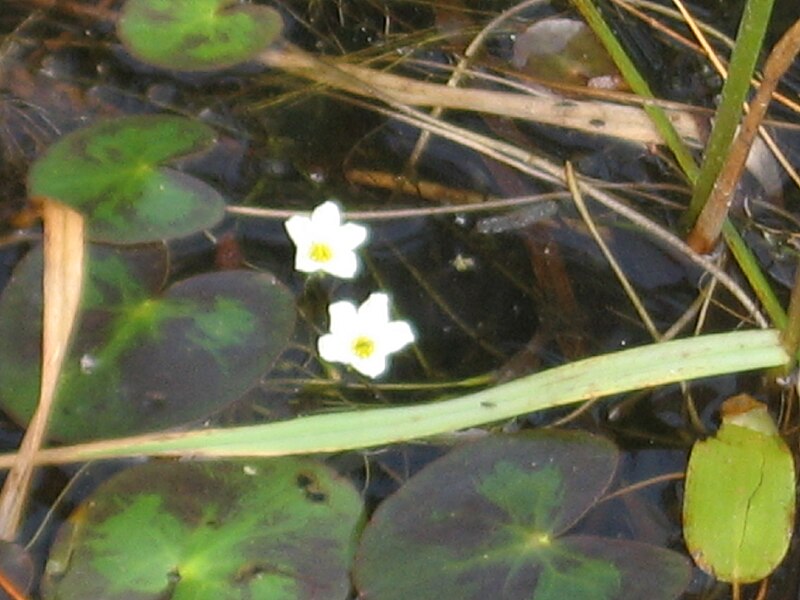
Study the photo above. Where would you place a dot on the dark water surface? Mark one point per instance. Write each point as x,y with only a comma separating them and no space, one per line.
488,292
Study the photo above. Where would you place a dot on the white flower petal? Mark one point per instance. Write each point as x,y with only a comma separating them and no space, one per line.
335,348
303,262
351,236
364,337
394,336
343,318
373,366
343,265
374,312
323,243
326,216
299,229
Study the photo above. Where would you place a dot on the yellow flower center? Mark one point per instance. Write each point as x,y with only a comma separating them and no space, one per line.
320,253
363,347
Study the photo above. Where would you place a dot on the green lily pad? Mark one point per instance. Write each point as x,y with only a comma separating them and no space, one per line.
488,521
280,529
739,501
196,35
112,172
141,362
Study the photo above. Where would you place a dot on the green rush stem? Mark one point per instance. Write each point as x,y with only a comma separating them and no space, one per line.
791,332
734,92
736,86
618,372
755,276
469,382
640,86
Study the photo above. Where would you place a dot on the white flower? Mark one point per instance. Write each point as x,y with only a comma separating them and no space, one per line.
365,337
323,243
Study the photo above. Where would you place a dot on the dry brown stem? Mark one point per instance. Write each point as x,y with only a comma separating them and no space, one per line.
63,276
706,231
600,118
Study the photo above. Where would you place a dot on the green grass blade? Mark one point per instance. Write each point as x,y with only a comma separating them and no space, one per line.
755,277
743,60
640,86
745,54
632,369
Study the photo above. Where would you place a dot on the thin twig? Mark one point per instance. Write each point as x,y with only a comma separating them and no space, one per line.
405,213
628,6
621,277
538,167
458,73
667,477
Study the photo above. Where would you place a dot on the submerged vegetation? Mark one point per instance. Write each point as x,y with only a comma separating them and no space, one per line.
328,228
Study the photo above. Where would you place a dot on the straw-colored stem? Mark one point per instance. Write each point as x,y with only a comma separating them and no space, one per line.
704,235
600,118
63,275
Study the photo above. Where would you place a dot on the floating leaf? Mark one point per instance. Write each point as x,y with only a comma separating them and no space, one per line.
739,503
565,51
280,529
113,173
196,35
138,362
487,521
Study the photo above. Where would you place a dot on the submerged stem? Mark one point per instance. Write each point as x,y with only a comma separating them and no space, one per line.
791,333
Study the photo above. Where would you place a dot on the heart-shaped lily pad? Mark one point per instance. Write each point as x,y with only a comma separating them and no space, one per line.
279,529
138,362
196,35
488,521
112,172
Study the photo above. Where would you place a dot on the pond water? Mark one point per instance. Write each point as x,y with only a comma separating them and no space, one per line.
493,292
